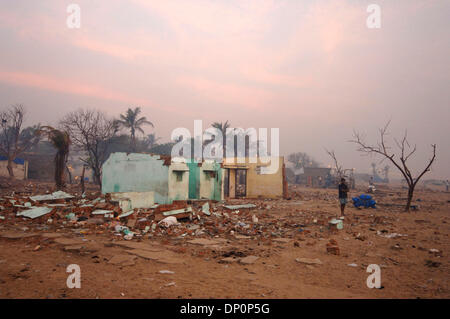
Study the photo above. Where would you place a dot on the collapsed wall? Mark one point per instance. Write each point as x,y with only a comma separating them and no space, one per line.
135,172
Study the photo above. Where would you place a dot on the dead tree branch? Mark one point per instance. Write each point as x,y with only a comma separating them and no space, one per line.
406,151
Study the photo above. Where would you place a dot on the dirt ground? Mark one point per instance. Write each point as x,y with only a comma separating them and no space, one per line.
34,256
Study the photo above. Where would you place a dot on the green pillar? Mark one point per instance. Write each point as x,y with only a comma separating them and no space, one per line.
194,180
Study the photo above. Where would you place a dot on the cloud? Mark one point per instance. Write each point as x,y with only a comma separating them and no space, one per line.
228,93
66,86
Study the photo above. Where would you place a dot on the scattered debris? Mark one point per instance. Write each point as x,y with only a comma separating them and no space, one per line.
169,221
332,247
248,260
336,224
393,235
35,212
166,272
309,261
234,207
51,197
435,252
205,209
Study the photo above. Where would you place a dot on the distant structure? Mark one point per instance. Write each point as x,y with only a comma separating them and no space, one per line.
315,176
376,177
20,167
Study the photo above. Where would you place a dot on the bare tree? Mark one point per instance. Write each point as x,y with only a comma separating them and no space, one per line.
14,140
91,131
302,160
406,151
339,169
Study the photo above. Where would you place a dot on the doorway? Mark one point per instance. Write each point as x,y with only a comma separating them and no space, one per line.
241,183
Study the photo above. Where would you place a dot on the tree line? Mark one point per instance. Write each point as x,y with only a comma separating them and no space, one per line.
91,132
95,134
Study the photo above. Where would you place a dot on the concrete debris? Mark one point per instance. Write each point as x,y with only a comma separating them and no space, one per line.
169,221
50,197
332,247
234,207
101,212
35,212
126,214
393,235
205,209
336,224
435,252
309,261
178,211
166,272
248,260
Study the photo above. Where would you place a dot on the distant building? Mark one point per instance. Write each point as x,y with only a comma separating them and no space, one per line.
40,166
315,176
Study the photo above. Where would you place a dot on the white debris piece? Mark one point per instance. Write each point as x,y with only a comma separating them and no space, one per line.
169,221
233,207
55,195
128,213
205,209
35,212
166,272
393,235
101,212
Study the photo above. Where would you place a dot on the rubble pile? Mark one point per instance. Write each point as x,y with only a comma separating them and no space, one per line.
95,213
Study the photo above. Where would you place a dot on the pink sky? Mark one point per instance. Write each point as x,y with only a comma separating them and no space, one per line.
311,68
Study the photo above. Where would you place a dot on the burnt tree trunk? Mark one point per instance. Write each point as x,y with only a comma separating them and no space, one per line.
68,173
410,197
60,163
97,176
82,180
10,167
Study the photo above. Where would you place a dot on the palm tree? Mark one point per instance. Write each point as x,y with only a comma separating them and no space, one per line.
222,127
151,140
61,141
132,122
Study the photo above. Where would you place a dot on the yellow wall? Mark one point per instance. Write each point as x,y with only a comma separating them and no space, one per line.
265,185
178,189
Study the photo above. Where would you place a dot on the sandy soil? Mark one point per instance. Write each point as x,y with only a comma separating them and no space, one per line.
35,266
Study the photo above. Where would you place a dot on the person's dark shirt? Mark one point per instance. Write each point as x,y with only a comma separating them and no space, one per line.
343,190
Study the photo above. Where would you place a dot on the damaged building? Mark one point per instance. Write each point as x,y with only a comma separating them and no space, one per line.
244,178
164,179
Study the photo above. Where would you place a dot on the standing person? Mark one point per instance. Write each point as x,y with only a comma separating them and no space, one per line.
343,190
446,185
